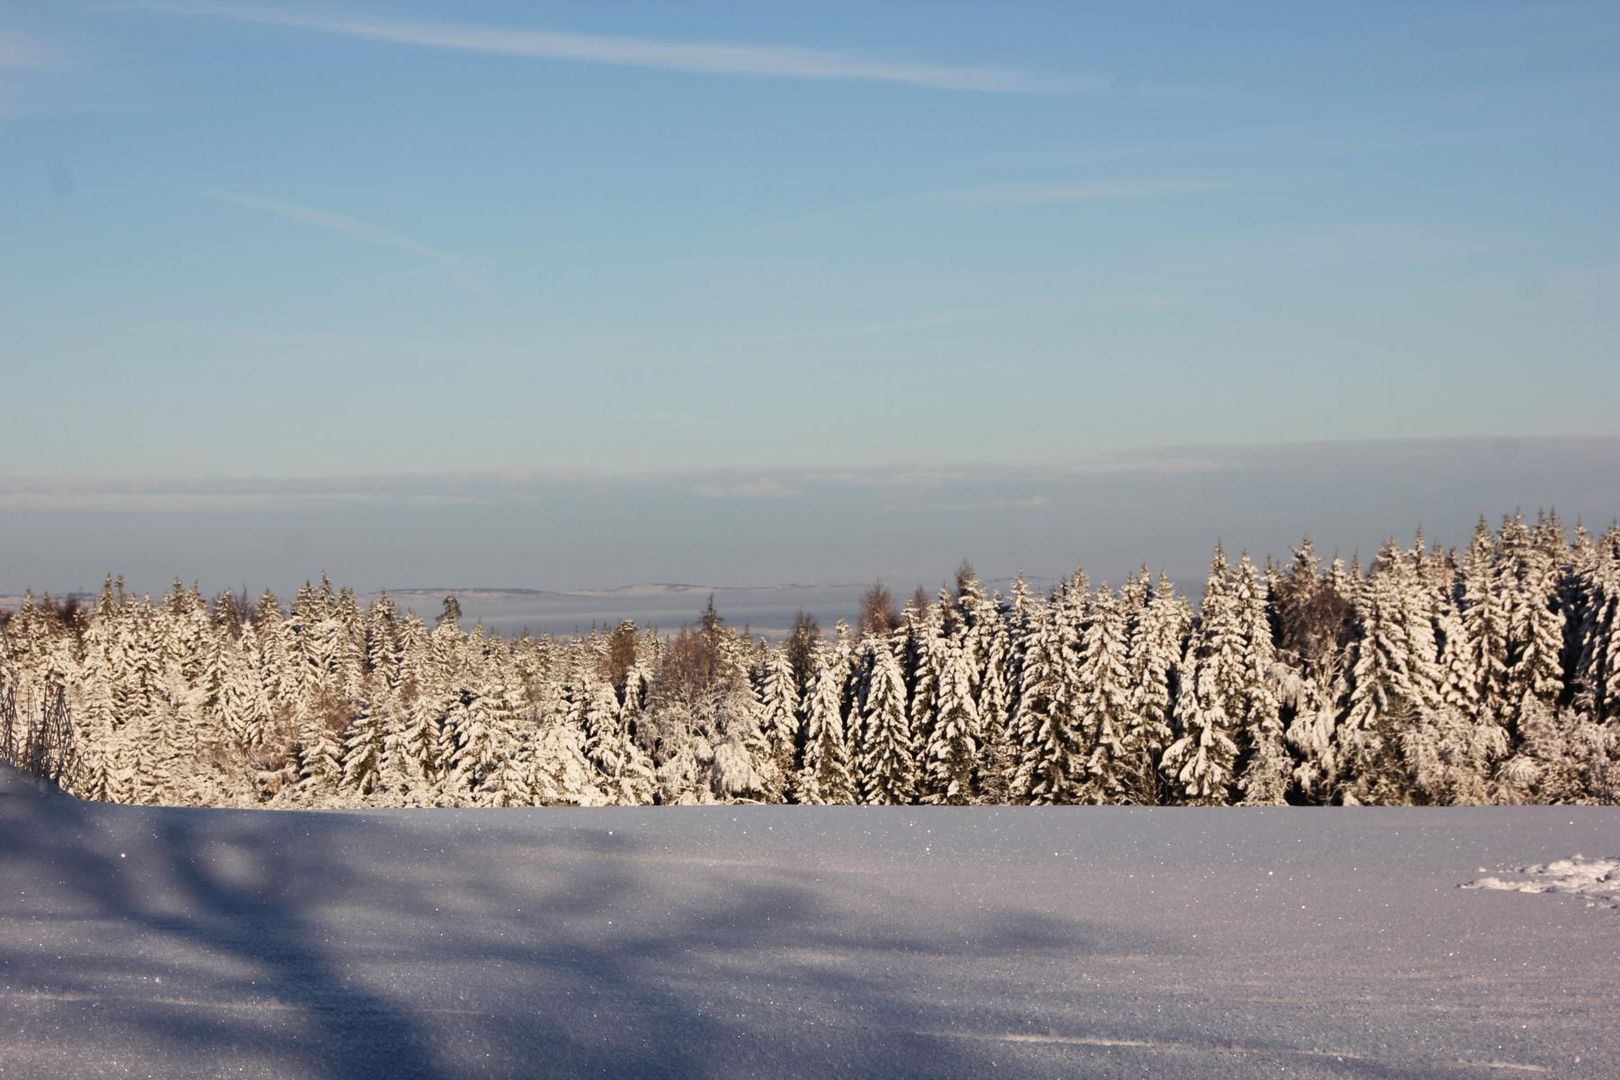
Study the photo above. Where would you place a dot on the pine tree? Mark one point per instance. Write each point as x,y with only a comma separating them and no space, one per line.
1200,763
888,763
1596,684
363,752
998,761
558,772
1562,757
953,746
825,776
1267,768
1395,683
1157,641
1103,700
779,718
1051,762
624,772
1527,576
742,766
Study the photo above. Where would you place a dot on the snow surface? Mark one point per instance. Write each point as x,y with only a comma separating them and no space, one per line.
792,941
768,609
1596,879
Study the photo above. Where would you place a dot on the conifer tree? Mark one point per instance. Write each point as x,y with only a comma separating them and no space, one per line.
826,776
1200,763
888,763
1102,701
1395,682
1157,640
625,773
953,745
779,716
1267,768
1050,760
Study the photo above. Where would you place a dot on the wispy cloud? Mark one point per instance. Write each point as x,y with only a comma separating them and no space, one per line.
1273,142
699,57
344,225
1351,244
762,488
1027,194
19,51
1027,503
1007,194
1047,486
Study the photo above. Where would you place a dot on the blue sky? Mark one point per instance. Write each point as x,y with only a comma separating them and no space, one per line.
324,240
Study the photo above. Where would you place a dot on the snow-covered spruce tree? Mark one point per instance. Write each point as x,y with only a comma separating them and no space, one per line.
1528,570
1051,760
436,671
185,731
953,746
624,771
1484,608
998,761
363,749
1102,700
887,755
1315,617
1399,741
1265,768
1596,686
556,772
779,717
384,644
1562,757
1200,763
1394,681
922,660
94,705
1459,682
1158,632
486,766
1067,611
742,767
157,692
1023,609
848,673
826,775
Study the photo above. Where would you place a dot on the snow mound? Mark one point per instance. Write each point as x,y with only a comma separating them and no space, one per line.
1596,879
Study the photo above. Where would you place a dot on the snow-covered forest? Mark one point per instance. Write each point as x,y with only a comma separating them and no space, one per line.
1487,675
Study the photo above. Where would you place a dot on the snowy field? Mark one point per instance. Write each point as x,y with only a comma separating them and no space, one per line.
785,941
767,609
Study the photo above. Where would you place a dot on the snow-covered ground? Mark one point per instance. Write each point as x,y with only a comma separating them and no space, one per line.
798,942
767,609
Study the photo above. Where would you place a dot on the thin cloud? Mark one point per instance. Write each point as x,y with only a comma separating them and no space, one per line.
1029,194
18,51
1028,503
954,487
353,228
698,57
762,488
1353,244
1292,141
1008,194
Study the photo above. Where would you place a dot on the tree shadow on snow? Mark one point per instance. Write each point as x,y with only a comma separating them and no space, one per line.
426,944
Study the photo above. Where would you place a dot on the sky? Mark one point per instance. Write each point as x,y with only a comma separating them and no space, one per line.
671,259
